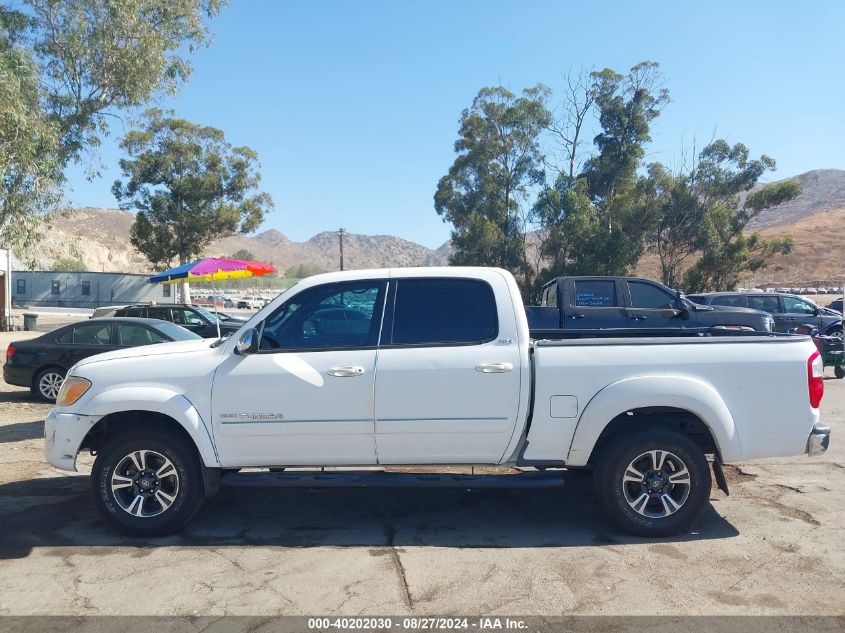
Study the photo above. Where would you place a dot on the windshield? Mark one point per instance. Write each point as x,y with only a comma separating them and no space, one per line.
175,332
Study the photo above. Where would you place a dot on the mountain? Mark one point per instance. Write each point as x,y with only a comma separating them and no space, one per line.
816,221
100,238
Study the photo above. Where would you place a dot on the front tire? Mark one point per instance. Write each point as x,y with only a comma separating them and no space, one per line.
839,371
652,482
147,481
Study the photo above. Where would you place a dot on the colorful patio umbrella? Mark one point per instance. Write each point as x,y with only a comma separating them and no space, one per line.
212,269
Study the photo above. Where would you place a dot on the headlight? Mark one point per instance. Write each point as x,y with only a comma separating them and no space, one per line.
73,388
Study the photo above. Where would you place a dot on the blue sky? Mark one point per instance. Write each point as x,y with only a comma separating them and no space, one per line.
353,107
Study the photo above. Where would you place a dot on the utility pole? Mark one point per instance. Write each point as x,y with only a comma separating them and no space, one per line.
340,233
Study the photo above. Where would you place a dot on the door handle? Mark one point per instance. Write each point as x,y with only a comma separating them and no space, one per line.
639,317
494,368
346,372
576,316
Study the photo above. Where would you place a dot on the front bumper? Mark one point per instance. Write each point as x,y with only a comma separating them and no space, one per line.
63,435
818,441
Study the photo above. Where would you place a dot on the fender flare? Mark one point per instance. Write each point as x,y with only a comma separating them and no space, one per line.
157,400
680,392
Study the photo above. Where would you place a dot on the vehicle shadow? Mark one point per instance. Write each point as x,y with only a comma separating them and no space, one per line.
57,511
19,431
21,396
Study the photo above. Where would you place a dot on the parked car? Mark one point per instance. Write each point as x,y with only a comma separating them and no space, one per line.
252,303
194,318
577,303
442,370
105,311
41,363
788,310
835,305
225,317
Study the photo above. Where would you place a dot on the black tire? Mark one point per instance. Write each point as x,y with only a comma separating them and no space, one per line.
45,385
620,498
160,442
839,371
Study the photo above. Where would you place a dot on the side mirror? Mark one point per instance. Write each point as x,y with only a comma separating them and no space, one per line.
248,343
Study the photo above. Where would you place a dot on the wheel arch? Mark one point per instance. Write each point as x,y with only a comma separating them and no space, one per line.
129,405
682,403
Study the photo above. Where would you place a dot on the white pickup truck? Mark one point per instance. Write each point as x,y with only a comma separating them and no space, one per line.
430,366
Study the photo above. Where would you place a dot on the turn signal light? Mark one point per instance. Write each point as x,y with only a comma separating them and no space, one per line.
815,379
73,388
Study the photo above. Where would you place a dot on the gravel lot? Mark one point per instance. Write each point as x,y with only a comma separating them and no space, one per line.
774,546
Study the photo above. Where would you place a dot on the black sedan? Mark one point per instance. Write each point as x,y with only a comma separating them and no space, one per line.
41,363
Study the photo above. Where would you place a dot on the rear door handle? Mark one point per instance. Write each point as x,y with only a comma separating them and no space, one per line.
576,316
639,317
494,368
346,372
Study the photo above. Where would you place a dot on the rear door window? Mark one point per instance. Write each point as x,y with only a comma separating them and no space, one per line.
444,312
595,294
92,334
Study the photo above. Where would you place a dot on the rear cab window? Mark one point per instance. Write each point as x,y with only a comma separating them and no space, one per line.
443,311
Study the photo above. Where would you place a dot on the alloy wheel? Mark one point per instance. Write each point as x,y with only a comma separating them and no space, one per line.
50,384
656,484
145,483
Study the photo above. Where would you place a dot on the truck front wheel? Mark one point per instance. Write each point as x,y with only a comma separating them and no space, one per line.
147,482
652,482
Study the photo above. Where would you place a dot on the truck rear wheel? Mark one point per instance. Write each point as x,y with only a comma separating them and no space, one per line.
652,482
147,481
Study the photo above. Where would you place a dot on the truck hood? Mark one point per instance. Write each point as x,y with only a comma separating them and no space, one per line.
160,349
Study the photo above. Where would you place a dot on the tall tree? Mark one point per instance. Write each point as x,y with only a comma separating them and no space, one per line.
627,105
593,221
86,62
676,232
189,187
722,175
486,194
29,141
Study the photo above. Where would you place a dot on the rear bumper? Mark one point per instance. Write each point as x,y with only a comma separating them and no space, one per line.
818,441
18,376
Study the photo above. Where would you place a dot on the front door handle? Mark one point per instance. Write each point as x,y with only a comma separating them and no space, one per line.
494,368
576,316
346,372
639,317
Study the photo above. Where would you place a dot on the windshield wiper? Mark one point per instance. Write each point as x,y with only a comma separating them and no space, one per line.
222,338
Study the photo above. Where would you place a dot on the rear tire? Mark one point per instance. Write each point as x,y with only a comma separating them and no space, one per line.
652,482
839,371
147,481
47,382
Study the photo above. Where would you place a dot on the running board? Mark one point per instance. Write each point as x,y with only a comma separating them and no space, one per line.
378,479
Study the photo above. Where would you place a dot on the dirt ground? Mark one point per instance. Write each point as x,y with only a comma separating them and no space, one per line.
775,546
